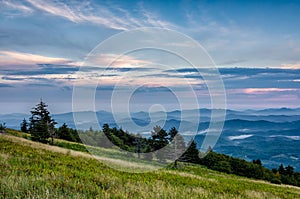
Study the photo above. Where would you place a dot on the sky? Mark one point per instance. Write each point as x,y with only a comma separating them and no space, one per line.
49,47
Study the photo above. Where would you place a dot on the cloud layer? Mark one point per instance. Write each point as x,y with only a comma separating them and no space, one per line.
44,43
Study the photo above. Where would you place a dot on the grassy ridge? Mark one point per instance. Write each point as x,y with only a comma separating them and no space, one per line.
110,154
30,170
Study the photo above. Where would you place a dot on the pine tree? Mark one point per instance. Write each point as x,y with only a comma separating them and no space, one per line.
66,133
2,128
63,132
159,139
289,170
41,124
172,133
24,126
191,154
258,162
281,170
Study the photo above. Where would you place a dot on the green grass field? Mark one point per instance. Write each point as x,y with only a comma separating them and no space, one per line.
34,170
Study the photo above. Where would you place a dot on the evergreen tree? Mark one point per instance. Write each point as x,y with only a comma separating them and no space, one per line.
66,133
41,124
258,162
159,137
159,140
274,170
109,139
2,128
24,126
172,133
105,129
281,170
191,154
63,132
289,170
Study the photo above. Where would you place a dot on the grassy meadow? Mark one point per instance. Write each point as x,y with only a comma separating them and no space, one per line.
35,170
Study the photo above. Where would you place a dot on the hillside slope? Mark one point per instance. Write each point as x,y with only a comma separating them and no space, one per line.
33,170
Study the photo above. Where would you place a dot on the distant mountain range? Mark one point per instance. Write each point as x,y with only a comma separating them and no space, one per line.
272,135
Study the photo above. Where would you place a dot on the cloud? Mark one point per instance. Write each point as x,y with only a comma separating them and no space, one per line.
191,70
183,70
75,13
289,66
43,69
239,71
17,6
26,68
258,71
110,16
266,90
161,75
233,78
141,89
5,85
153,20
231,62
260,78
40,85
193,77
152,89
13,78
19,58
40,74
127,69
232,41
239,78
46,71
116,61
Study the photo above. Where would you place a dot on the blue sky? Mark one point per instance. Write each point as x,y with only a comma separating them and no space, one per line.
255,45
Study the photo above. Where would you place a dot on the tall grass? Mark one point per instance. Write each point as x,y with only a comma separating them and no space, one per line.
102,153
31,172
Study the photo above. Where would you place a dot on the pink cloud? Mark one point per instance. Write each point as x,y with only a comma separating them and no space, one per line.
266,90
116,61
12,58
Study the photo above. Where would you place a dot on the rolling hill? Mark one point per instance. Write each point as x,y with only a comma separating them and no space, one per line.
34,170
272,135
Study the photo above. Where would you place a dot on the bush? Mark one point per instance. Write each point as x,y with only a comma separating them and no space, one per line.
2,128
275,180
222,166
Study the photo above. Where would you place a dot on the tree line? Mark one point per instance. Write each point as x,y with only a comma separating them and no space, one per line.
165,145
41,126
254,169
